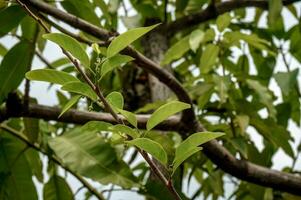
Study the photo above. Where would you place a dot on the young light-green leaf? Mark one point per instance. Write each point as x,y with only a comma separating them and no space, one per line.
151,147
125,39
195,39
209,58
125,129
51,76
114,62
191,146
69,104
80,88
115,99
164,112
223,21
70,45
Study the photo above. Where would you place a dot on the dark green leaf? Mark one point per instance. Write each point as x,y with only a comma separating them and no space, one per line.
10,18
57,189
287,80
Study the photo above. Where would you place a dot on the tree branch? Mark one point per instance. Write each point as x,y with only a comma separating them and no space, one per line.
220,8
214,151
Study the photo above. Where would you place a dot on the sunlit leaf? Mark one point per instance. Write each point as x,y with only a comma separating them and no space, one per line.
80,88
115,99
208,58
177,50
114,62
69,104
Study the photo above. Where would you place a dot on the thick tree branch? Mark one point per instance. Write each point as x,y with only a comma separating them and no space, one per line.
219,8
218,154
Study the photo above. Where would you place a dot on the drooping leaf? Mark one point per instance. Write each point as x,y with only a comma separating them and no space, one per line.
164,112
51,76
195,39
177,50
264,95
35,163
69,104
115,99
87,154
31,128
208,58
16,175
70,45
13,67
191,146
10,18
80,88
57,189
125,130
125,39
151,147
114,62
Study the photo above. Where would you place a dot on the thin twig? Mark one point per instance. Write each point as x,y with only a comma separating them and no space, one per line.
51,157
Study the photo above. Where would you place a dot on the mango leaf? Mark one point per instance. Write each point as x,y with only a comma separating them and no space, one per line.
264,96
223,21
87,154
80,88
57,189
10,18
195,39
275,7
113,62
125,130
70,45
208,58
164,112
31,129
3,50
125,39
16,175
177,50
60,62
191,146
35,163
13,67
69,104
130,117
151,147
286,80
115,99
51,76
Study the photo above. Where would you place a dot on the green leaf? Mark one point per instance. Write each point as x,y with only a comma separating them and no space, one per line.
13,67
275,7
10,18
31,129
125,130
69,104
177,50
223,21
191,146
87,154
287,80
208,58
57,189
51,76
70,45
114,62
16,175
195,39
3,50
151,147
35,163
80,88
130,117
115,99
164,112
125,39
264,96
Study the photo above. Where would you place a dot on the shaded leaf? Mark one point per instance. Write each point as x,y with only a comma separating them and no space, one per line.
115,99
223,21
114,62
130,117
287,80
125,130
10,18
208,58
57,189
177,50
69,104
31,129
